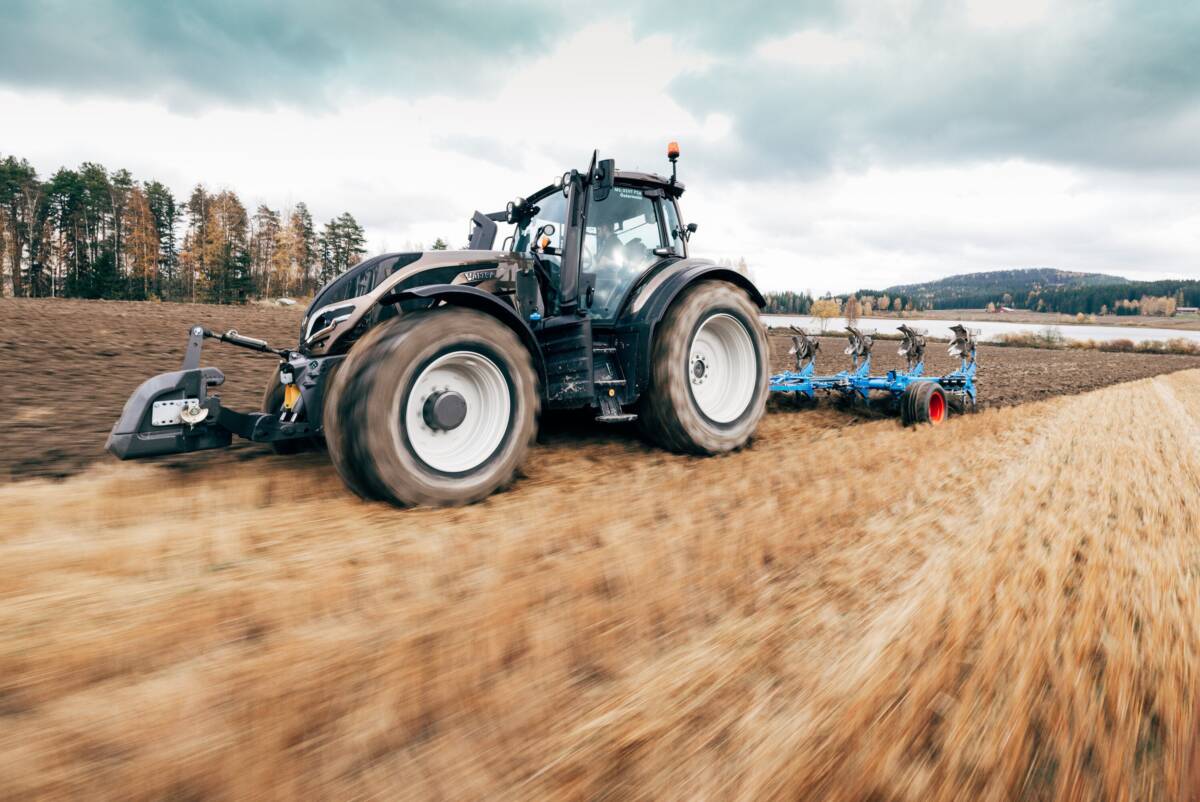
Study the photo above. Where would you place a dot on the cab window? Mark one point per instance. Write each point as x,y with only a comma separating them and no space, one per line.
619,239
552,210
674,234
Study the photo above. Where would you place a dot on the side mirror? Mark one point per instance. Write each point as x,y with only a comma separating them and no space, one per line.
541,242
690,230
602,179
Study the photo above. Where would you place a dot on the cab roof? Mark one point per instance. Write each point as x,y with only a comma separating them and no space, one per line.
629,177
649,178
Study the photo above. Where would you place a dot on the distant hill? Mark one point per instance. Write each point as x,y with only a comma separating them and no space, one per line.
968,289
1046,289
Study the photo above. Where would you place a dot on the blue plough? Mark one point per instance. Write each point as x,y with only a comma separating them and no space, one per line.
918,397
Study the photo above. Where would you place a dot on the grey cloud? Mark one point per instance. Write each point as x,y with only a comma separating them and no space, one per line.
302,51
1118,88
1115,83
731,26
306,51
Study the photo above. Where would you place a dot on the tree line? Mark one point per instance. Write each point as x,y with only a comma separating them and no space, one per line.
788,303
1159,298
91,233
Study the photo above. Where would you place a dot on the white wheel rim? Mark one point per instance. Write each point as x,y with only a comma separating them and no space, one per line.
488,410
722,368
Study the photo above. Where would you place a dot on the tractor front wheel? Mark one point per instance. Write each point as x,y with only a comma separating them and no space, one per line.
708,374
437,407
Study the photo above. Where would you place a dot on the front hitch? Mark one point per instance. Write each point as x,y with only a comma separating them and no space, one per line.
173,413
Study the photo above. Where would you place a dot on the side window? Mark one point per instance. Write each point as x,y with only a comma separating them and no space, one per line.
674,238
618,245
552,210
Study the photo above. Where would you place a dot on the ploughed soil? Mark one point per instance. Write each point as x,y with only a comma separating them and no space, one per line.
1001,607
69,365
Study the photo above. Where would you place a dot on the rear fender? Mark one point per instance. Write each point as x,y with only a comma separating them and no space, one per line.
649,302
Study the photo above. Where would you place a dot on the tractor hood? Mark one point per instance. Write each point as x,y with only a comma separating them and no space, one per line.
341,304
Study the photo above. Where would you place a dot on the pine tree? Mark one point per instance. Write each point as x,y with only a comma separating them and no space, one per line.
17,181
141,246
226,250
341,245
302,240
193,260
265,236
166,217
120,185
353,239
102,279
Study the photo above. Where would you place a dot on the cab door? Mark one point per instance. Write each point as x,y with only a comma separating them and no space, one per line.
622,238
565,335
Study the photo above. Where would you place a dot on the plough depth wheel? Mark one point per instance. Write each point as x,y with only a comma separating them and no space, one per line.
923,402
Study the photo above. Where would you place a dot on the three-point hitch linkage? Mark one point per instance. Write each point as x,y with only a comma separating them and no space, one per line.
919,398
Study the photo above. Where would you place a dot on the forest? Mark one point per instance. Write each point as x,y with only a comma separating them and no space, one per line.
91,233
1050,290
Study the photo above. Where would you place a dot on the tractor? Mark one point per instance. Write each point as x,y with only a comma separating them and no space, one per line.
425,373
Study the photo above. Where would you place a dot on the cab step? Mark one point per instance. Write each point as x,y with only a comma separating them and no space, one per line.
611,412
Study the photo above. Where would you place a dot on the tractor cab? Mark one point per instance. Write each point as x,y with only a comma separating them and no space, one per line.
591,238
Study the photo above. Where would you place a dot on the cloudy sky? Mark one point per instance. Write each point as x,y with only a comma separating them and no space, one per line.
834,145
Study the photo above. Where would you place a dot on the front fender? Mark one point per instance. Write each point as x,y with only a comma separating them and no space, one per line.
472,298
649,303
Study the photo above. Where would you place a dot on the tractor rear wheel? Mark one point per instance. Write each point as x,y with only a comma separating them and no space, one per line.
437,407
923,402
708,372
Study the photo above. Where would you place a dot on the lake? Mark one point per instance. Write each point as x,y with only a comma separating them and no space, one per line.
989,329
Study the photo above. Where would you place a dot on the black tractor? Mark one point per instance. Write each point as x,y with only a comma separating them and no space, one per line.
425,373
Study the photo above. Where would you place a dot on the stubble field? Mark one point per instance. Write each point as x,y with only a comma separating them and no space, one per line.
1006,606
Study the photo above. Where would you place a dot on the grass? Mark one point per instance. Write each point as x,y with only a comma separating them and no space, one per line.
1002,607
1051,337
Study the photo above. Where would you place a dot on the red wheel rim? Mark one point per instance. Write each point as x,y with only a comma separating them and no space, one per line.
937,406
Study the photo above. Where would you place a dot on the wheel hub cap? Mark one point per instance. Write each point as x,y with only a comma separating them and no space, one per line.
445,410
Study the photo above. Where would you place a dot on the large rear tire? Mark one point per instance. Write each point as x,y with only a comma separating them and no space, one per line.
708,375
437,407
